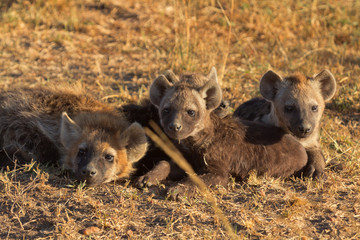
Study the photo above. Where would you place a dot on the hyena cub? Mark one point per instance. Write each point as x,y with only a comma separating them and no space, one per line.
91,139
221,146
295,104
156,165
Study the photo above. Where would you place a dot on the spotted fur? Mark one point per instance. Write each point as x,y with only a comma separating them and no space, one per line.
63,125
156,165
221,146
295,104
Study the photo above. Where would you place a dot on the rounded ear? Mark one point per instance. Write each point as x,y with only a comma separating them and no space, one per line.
269,85
327,84
135,142
211,91
171,76
69,131
158,89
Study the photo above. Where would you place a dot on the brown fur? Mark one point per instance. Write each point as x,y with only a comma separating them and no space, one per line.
62,125
295,104
222,147
195,81
298,79
156,165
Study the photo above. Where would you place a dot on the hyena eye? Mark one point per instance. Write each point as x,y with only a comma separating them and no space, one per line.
166,110
81,152
191,113
109,158
314,108
289,108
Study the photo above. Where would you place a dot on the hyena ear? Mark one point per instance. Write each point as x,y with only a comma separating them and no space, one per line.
135,142
211,91
269,85
327,84
212,74
69,131
171,76
158,89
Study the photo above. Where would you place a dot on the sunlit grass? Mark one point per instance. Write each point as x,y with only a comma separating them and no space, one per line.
116,48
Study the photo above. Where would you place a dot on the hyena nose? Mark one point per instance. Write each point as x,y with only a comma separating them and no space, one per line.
175,127
305,129
89,172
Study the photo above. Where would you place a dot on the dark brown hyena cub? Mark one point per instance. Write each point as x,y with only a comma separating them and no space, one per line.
222,146
295,104
156,165
87,137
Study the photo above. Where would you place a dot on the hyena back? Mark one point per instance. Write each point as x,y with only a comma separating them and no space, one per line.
295,104
61,125
221,146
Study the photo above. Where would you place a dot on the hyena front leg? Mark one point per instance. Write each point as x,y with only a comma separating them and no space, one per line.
160,172
315,165
163,170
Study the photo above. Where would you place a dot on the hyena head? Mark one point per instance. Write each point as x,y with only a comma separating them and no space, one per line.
185,108
298,101
101,147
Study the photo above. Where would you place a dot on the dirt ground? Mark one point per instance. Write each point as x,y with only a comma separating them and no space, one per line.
115,48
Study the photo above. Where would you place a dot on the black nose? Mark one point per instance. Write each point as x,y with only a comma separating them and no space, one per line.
305,129
89,172
175,127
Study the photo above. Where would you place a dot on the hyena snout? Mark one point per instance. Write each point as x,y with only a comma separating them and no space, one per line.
88,171
305,128
175,126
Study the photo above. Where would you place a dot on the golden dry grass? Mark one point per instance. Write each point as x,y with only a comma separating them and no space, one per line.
116,47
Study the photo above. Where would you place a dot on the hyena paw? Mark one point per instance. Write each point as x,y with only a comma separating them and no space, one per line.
146,180
181,191
311,172
140,182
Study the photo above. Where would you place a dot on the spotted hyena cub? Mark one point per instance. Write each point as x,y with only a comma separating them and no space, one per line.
156,165
61,125
221,146
295,104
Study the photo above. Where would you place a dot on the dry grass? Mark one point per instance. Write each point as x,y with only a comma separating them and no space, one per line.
115,48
